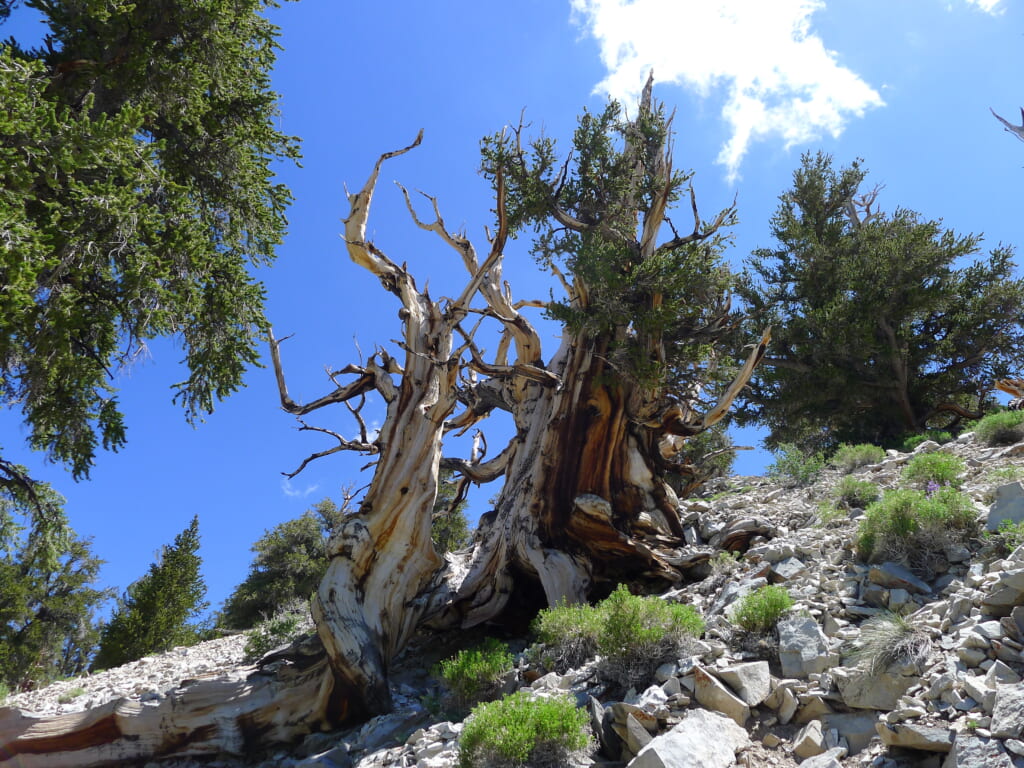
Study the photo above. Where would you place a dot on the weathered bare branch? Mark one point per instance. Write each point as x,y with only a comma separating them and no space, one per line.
357,388
484,278
859,209
481,472
343,445
1016,130
699,233
715,415
535,303
525,370
395,279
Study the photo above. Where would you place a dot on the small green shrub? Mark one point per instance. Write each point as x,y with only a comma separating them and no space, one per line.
760,610
1012,534
849,457
828,512
855,493
910,526
1004,475
276,631
937,468
474,674
889,639
1001,428
936,435
793,468
568,634
70,695
520,731
4,692
639,634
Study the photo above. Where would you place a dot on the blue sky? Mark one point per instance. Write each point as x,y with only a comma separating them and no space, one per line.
905,85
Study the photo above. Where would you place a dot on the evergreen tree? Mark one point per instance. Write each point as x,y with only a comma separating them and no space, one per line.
289,563
449,528
135,193
154,614
47,597
879,329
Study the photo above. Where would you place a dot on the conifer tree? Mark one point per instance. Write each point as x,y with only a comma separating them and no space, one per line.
136,192
290,559
47,593
881,328
449,528
155,612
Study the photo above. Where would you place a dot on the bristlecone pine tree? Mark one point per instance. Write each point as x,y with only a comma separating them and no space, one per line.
598,424
584,500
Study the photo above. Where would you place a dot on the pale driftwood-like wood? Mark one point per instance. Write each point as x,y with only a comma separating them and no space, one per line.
235,714
1014,388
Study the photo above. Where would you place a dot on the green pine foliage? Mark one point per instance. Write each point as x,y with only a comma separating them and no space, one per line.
156,612
136,192
449,529
47,595
655,312
880,323
288,564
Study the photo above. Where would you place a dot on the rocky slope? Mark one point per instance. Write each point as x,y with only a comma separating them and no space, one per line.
795,700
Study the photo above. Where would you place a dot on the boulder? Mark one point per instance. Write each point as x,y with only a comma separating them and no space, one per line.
1008,712
896,576
1009,505
803,648
858,728
636,736
752,681
861,690
977,752
829,759
701,740
787,569
711,693
928,738
810,741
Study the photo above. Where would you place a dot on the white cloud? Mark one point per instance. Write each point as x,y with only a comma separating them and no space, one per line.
777,77
988,6
293,492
